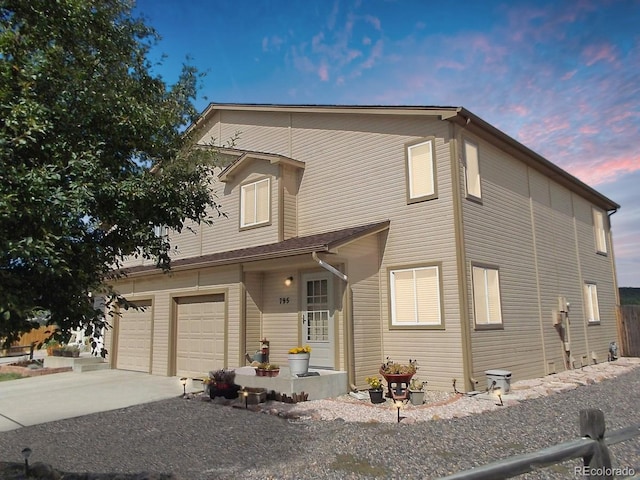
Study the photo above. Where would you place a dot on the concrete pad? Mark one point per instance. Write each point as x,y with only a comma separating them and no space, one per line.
35,400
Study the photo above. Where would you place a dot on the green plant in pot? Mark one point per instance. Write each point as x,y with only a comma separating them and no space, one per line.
375,389
416,391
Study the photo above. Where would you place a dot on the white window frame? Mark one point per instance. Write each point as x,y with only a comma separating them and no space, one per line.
488,279
599,231
243,193
473,180
592,309
416,320
428,184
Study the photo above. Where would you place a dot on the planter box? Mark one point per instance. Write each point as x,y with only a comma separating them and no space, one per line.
267,373
256,395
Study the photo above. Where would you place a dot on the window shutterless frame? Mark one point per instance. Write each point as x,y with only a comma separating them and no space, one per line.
487,302
255,203
600,231
591,303
473,183
415,297
421,172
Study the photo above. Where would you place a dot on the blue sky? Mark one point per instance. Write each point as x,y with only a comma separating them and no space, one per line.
562,77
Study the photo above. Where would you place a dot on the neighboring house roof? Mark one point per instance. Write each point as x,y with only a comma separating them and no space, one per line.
321,242
457,115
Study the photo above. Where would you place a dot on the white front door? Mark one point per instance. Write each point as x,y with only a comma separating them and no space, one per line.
317,319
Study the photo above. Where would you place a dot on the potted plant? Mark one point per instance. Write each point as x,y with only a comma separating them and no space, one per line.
375,389
223,384
416,391
299,360
398,374
51,345
267,370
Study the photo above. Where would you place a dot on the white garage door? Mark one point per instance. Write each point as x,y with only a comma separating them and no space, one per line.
134,338
200,335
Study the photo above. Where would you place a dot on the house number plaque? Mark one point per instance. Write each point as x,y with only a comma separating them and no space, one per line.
284,300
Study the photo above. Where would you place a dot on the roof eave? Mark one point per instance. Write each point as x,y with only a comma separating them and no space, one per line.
476,124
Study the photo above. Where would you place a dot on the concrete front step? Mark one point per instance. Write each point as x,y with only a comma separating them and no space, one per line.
86,363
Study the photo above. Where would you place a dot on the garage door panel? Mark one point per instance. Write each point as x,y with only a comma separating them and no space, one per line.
134,338
200,335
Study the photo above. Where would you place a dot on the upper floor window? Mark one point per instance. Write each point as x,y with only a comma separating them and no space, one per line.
600,233
421,171
415,297
255,203
486,296
472,170
591,301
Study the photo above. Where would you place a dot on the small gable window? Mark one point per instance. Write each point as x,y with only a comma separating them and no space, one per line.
255,203
421,171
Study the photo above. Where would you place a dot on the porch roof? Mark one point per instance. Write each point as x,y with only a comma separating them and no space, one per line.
321,242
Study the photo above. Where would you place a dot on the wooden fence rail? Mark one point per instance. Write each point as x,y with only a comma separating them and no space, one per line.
592,447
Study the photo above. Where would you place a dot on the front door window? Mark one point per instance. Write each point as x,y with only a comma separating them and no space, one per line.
317,320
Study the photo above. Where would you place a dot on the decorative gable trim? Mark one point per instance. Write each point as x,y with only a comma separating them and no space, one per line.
245,156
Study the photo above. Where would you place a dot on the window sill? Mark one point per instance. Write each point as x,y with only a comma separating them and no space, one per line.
416,327
495,326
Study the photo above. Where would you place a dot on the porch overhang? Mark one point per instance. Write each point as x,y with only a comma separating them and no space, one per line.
321,242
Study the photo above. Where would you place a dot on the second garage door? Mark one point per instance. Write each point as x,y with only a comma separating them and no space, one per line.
134,338
200,335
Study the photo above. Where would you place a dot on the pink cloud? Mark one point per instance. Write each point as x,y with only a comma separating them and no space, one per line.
520,110
569,75
605,171
588,130
596,53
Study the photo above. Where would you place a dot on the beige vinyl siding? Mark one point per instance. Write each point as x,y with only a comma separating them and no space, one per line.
280,322
290,184
362,269
253,282
498,233
258,131
595,268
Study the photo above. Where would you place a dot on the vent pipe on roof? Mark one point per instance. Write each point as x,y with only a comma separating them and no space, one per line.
328,267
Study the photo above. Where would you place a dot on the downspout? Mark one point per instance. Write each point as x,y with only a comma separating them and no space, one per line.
616,289
347,318
328,267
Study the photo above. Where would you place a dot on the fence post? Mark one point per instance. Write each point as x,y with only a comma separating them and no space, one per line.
597,463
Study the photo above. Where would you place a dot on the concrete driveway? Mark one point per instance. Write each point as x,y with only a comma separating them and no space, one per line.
34,400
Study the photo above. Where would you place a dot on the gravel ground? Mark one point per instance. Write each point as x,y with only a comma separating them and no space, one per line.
200,440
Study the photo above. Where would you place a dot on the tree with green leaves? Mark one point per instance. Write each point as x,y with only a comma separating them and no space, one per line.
93,158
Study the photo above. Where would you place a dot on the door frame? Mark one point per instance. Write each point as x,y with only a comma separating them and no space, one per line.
332,334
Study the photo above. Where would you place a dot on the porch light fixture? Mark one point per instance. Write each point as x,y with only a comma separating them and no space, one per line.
26,453
288,281
398,405
183,381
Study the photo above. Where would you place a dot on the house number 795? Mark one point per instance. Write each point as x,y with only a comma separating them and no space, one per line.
284,300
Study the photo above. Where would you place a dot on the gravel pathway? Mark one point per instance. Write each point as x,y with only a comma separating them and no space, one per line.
198,440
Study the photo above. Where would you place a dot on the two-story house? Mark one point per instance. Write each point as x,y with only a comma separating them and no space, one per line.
370,232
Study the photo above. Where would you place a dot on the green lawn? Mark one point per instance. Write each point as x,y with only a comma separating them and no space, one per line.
9,376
